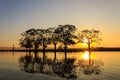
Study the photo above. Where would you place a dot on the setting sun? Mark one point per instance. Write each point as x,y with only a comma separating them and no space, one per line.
85,40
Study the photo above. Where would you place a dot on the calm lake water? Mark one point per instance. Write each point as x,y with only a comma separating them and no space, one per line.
102,66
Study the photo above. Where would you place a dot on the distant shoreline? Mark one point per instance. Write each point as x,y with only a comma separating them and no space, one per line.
62,50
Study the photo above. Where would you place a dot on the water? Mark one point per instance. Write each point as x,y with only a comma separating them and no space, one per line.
103,66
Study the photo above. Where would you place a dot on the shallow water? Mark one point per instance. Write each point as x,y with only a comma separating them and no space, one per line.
104,65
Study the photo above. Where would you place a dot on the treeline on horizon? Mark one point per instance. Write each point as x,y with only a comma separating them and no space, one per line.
63,35
18,49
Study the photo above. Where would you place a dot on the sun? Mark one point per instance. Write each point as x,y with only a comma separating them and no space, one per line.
86,55
85,40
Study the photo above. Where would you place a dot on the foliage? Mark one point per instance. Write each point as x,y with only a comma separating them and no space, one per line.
45,36
36,37
30,39
66,34
89,36
26,42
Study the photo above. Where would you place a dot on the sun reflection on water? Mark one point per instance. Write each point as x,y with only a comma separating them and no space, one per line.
86,55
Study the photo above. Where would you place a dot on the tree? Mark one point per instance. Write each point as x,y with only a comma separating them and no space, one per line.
55,40
45,37
30,39
66,35
26,42
89,37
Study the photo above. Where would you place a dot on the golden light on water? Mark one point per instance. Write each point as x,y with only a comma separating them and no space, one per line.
86,55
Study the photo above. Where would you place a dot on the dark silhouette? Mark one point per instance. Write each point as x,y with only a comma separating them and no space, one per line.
89,37
93,68
26,42
55,40
65,68
66,35
61,68
25,61
33,38
30,39
45,37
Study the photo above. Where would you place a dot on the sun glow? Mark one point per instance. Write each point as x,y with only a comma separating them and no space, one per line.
86,55
85,40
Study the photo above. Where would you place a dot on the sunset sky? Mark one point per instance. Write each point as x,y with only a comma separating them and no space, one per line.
16,16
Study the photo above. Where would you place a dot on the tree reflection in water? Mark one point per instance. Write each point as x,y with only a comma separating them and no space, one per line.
93,68
90,66
66,68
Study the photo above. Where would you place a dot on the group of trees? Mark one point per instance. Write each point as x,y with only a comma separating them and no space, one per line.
63,34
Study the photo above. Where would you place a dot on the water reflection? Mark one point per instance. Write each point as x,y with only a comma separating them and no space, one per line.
89,65
93,68
68,68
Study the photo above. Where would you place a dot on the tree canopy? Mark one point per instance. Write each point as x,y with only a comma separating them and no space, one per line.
66,34
89,36
63,34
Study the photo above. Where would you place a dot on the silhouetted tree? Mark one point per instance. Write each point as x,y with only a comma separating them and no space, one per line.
30,39
66,35
44,37
55,40
89,37
26,42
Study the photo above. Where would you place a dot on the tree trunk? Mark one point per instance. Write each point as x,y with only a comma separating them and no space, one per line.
43,47
65,51
54,51
43,53
54,63
44,58
29,49
89,49
35,48
89,46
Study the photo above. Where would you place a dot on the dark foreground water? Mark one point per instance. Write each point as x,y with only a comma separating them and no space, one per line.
45,66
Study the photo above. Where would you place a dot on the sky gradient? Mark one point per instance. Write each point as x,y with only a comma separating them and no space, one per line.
16,16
